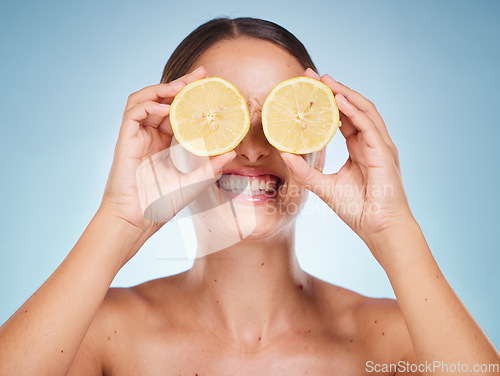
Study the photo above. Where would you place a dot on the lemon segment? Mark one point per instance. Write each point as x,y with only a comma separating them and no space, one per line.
209,116
300,115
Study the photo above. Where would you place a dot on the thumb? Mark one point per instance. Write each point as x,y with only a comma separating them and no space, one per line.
219,161
314,180
203,176
211,168
171,189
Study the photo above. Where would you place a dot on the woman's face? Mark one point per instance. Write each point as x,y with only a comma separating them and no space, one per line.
254,66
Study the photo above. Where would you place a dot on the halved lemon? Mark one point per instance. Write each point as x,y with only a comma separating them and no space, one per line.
300,115
209,116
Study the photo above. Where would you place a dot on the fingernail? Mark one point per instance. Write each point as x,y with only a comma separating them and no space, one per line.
329,77
232,155
313,72
341,98
197,69
287,161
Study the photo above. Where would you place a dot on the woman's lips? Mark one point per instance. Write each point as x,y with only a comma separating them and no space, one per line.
252,186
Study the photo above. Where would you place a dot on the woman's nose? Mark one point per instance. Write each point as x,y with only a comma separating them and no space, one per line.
254,147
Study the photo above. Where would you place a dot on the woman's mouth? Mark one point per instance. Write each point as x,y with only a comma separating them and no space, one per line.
258,188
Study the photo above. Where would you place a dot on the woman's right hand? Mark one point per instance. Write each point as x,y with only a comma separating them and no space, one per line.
145,132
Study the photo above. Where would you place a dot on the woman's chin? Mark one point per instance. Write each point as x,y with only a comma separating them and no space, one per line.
237,217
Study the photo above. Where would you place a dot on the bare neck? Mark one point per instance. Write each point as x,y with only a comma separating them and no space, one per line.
252,288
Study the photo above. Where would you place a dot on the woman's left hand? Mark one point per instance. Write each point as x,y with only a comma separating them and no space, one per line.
367,192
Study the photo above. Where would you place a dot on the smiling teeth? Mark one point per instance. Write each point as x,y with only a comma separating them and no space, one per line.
249,186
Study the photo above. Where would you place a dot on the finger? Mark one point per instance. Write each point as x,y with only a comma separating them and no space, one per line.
360,121
314,180
142,111
135,116
312,74
346,127
374,130
193,183
353,96
196,74
165,190
162,93
165,127
212,168
362,104
364,124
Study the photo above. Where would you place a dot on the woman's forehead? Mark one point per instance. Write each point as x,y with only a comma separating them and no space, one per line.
254,66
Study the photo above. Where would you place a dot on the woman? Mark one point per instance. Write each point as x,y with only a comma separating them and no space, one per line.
247,309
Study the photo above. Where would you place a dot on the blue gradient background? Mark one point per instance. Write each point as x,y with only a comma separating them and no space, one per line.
431,67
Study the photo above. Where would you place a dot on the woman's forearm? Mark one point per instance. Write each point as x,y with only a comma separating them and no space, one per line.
43,336
440,327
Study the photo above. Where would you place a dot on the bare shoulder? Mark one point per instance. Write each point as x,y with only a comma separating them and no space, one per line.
375,324
115,326
108,322
128,308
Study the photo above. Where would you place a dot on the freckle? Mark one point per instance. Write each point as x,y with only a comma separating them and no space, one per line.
62,351
217,302
376,321
352,340
259,338
425,299
309,331
215,280
25,311
262,264
109,338
115,331
383,333
209,230
437,276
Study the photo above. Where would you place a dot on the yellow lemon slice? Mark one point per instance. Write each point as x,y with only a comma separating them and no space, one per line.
209,116
300,115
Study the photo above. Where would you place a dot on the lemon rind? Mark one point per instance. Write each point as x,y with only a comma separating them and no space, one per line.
271,97
175,123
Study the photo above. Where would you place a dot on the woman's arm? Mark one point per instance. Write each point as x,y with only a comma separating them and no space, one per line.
442,331
43,336
368,195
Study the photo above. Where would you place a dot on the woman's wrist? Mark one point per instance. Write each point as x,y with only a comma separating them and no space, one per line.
123,238
397,245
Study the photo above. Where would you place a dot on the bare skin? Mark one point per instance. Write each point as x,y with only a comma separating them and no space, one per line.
248,309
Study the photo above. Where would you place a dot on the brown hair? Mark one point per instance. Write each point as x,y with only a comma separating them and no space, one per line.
219,29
